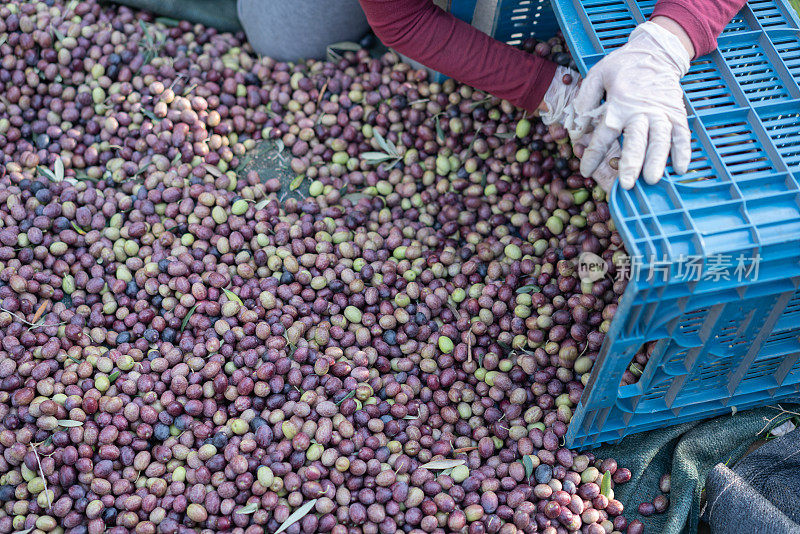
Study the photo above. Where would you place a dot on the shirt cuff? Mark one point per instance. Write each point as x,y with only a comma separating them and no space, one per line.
538,85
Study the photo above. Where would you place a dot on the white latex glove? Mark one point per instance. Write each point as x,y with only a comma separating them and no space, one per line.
558,99
644,100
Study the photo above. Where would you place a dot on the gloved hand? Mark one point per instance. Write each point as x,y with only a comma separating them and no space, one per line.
558,101
644,100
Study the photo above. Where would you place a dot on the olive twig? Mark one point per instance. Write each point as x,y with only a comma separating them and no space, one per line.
44,479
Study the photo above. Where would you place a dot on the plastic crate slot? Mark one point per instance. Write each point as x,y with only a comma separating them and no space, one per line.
753,71
711,375
765,186
794,305
782,373
760,370
788,48
739,330
784,130
657,199
700,169
724,218
673,223
612,24
768,13
781,210
714,193
677,363
792,337
738,147
685,244
705,88
616,4
737,24
652,400
691,323
646,7
728,333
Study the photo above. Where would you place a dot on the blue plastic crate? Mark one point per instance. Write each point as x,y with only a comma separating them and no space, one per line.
510,21
724,344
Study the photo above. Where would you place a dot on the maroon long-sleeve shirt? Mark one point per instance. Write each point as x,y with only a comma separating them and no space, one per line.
437,39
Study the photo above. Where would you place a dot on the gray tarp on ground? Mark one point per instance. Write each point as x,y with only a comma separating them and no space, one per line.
761,494
219,14
689,452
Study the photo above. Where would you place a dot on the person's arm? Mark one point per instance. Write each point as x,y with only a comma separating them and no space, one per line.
440,41
702,20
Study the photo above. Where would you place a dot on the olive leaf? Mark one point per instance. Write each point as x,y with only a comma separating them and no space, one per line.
232,296
472,143
113,376
605,484
333,50
188,316
505,135
82,176
386,145
295,183
69,423
419,101
348,396
297,515
375,157
527,462
26,531
249,509
59,170
150,115
78,229
439,130
261,204
443,464
390,152
480,102
144,166
47,173
530,288
213,170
